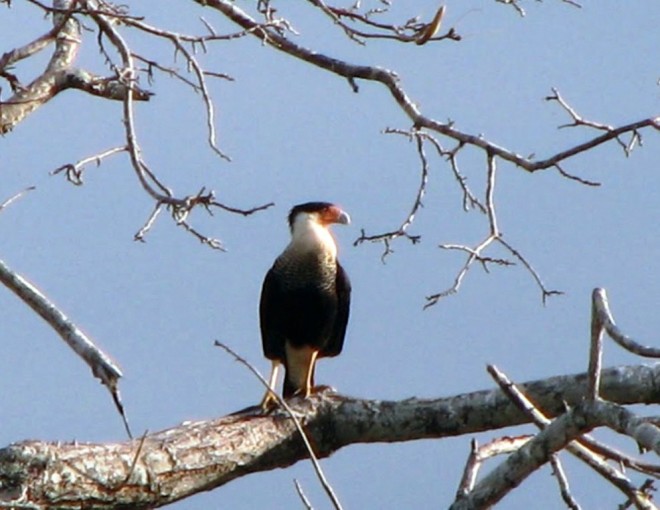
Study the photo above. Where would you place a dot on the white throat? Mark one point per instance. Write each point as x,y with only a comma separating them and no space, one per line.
308,235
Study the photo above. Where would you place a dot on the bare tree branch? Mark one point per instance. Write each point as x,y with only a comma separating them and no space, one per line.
111,19
201,455
412,31
273,37
15,197
390,80
516,5
102,366
387,237
636,427
537,451
603,316
602,322
479,454
303,498
74,171
59,74
562,480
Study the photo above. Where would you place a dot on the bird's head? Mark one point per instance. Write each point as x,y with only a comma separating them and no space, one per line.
309,224
320,213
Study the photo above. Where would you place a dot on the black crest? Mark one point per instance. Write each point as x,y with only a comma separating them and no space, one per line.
308,207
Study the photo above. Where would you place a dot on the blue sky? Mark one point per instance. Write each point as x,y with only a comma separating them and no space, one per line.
297,133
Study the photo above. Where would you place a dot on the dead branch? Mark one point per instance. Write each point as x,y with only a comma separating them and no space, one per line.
106,370
494,236
479,454
74,171
111,21
516,5
412,31
202,455
15,197
390,80
387,237
562,480
602,322
537,451
576,444
59,74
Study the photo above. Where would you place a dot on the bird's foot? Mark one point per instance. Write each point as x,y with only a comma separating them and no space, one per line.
269,402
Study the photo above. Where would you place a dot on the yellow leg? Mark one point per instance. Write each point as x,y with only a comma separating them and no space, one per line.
270,398
309,379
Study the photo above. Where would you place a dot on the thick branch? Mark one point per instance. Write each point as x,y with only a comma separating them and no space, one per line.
176,463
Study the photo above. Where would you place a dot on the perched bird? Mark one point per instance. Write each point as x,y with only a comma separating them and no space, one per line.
305,300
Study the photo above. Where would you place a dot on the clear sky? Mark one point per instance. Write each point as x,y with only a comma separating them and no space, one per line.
297,133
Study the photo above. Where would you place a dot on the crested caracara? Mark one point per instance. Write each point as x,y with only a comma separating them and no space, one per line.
305,300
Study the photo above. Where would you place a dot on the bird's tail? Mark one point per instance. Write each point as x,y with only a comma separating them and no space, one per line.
293,387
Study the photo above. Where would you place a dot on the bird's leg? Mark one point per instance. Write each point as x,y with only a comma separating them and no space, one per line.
270,398
309,378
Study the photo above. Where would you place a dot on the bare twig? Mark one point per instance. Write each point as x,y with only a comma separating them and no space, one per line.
545,292
595,352
478,454
562,480
604,318
139,235
306,503
15,197
474,254
391,81
469,199
515,4
402,231
208,102
578,120
136,457
74,171
412,31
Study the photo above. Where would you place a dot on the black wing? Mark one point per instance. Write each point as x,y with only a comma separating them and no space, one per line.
270,313
343,289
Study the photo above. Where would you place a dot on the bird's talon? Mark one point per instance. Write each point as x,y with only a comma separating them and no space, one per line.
269,402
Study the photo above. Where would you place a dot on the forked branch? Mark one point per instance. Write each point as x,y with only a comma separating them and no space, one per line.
562,432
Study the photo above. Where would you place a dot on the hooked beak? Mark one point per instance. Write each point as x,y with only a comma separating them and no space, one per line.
343,218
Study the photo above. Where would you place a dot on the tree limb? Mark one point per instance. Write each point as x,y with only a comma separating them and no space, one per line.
103,368
173,464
